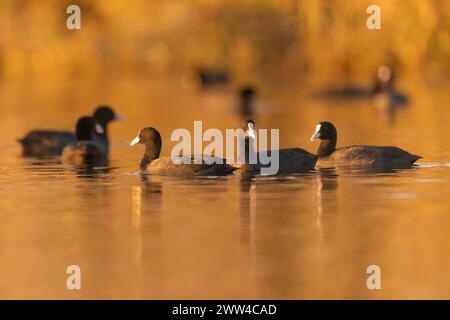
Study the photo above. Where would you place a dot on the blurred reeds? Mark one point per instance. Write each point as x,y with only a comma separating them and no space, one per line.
258,37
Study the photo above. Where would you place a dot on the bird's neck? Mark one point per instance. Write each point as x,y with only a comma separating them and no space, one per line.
247,150
326,147
249,147
151,153
102,138
246,106
81,136
251,159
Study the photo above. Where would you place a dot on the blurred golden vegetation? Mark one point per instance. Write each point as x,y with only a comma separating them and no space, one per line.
258,37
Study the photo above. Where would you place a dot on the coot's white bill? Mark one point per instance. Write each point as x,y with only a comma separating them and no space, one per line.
135,141
251,130
119,118
316,134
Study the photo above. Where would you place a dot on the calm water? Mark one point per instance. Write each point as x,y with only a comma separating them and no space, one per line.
305,236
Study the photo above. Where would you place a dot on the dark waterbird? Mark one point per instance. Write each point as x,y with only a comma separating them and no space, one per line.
246,99
382,92
349,92
39,143
210,77
85,150
182,166
384,96
291,160
357,155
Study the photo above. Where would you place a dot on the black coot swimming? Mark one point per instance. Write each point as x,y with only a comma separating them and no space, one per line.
291,160
84,150
182,166
357,155
210,77
38,143
382,92
103,115
383,95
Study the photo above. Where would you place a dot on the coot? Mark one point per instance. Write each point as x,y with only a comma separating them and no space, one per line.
184,166
357,155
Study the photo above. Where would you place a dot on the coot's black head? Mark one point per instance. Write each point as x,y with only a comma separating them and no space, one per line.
249,128
247,95
151,138
148,136
84,128
247,92
324,131
105,114
327,134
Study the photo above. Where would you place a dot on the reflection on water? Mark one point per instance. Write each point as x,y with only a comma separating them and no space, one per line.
303,236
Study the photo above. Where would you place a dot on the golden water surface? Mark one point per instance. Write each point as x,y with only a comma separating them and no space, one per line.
303,236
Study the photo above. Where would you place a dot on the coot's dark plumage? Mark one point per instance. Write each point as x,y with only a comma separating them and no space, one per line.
291,160
183,166
382,92
348,92
52,143
209,77
84,150
358,155
103,115
45,142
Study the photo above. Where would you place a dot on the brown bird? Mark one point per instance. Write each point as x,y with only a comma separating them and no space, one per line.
182,166
358,155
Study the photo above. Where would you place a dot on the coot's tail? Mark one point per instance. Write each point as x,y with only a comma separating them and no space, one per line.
414,158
